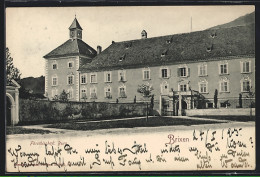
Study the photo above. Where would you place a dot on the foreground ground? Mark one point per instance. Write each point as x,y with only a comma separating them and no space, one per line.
126,123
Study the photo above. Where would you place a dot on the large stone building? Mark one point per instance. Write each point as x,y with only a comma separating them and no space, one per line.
185,70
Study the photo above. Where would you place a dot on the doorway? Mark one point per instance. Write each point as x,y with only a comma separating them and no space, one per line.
183,105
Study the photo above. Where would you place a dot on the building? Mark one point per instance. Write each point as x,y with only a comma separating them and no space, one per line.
62,63
185,70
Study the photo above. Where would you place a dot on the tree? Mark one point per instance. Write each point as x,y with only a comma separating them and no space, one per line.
152,103
216,98
146,91
251,95
63,96
240,100
11,71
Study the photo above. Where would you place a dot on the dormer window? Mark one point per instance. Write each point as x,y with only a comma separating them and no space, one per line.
213,35
122,58
168,41
128,45
164,53
210,48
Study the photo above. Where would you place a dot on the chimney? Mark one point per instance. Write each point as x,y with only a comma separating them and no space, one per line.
144,34
99,49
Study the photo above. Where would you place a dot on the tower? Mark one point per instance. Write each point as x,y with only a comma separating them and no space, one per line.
75,30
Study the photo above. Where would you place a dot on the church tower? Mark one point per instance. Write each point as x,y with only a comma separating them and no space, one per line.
75,30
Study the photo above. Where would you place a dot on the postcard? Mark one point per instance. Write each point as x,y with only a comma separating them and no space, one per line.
130,88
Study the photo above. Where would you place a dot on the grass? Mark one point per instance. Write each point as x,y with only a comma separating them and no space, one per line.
152,122
19,130
232,118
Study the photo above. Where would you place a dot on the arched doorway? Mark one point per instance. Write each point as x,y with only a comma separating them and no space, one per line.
183,106
12,102
8,111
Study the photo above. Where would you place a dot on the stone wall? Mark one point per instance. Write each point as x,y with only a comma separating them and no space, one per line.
220,112
43,111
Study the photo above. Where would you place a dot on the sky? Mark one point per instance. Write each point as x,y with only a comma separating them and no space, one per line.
33,32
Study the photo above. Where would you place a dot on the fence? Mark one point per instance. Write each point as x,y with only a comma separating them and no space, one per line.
43,111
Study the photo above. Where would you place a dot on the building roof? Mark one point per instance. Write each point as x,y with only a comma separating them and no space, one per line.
72,47
173,49
75,24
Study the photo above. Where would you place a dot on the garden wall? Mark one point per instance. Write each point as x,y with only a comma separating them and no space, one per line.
220,112
43,111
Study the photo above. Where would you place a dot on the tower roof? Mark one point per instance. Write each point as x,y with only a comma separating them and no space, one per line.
74,47
75,24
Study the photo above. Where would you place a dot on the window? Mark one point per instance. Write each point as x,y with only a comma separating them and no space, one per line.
203,86
245,84
224,85
223,68
83,79
93,78
183,87
108,77
70,79
183,71
164,73
70,93
122,92
121,76
146,74
83,93
93,93
55,66
108,92
202,70
70,64
165,88
54,81
245,67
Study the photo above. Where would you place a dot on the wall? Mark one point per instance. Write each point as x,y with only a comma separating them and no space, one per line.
134,78
43,111
220,112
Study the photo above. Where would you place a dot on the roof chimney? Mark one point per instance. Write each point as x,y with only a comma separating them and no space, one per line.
99,49
144,34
